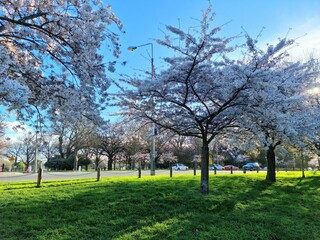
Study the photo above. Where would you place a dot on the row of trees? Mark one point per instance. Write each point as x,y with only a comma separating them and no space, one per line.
66,146
83,144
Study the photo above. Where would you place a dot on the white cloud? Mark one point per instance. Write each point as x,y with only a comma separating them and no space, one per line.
306,35
307,44
16,131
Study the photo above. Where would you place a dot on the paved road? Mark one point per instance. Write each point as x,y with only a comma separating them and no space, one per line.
12,176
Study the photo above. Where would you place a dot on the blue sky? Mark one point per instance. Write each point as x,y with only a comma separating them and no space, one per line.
144,21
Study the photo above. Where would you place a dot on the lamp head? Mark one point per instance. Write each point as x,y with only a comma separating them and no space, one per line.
132,48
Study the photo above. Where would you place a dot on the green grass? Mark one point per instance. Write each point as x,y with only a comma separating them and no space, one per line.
238,207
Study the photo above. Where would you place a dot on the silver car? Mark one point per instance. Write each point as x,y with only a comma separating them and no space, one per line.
216,166
179,166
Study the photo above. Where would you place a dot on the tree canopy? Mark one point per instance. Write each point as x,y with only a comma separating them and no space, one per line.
49,55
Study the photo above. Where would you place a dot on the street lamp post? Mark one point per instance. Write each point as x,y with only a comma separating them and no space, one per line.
153,149
36,155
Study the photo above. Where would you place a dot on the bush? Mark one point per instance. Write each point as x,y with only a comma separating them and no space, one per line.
59,163
21,166
84,161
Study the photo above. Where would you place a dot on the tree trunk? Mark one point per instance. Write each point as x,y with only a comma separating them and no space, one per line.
61,147
97,161
75,161
110,163
271,160
302,165
204,186
16,160
133,166
27,160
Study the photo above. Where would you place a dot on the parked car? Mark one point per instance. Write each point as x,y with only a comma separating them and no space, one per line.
216,166
251,166
179,166
228,167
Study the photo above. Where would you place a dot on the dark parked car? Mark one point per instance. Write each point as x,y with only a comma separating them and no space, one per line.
251,166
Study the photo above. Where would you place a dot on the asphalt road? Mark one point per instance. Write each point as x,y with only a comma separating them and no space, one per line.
17,176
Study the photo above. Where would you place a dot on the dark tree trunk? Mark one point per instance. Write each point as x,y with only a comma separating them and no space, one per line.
271,160
110,163
97,161
60,147
68,152
204,186
133,166
302,165
75,161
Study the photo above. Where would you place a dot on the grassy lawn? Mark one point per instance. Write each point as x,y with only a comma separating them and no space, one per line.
238,207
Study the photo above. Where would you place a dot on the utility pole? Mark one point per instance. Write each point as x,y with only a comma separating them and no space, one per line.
154,132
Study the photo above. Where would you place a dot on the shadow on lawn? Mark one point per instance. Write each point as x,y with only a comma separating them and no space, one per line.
236,208
152,210
309,183
51,183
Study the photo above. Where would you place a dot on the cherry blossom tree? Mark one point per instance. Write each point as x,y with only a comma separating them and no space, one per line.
315,96
204,93
49,55
279,108
195,96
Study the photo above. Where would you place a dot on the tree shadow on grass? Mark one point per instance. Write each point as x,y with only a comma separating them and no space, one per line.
49,183
236,208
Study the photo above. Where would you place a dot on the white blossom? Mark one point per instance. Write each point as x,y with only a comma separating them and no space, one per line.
51,50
